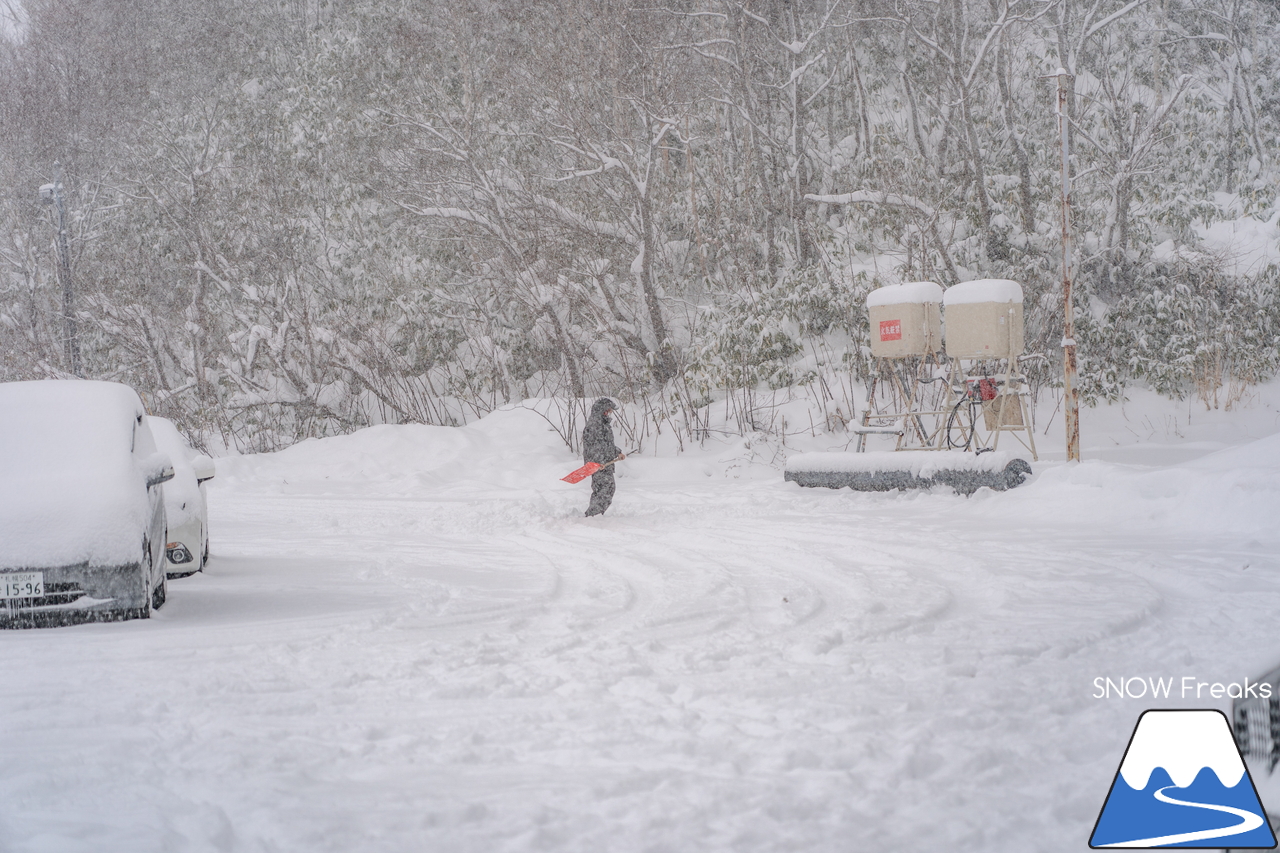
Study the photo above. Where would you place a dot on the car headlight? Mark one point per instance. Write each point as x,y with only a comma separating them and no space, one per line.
178,553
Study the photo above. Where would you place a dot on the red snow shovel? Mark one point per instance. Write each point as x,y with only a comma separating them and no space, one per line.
587,470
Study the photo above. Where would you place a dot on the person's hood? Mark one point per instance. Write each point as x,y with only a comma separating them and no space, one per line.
601,406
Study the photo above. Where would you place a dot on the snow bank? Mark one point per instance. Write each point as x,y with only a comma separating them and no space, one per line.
983,290
911,293
1233,492
72,492
513,447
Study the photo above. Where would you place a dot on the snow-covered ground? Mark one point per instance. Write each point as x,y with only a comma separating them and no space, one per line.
409,639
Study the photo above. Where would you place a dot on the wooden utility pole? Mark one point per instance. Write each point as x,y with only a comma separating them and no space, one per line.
1071,401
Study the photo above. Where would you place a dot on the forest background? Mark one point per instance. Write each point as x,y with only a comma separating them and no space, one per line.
294,219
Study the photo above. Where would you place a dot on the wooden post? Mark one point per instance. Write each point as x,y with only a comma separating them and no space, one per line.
1072,404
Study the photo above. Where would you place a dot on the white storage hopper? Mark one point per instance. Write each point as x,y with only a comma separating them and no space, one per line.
984,319
906,319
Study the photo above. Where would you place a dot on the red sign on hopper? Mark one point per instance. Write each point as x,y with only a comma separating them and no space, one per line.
890,330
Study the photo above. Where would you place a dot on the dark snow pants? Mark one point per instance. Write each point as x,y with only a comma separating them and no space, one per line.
602,487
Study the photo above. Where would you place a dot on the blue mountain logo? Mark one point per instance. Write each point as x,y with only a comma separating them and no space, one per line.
1182,783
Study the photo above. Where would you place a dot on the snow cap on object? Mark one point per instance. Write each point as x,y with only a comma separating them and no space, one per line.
983,290
79,418
1183,743
910,293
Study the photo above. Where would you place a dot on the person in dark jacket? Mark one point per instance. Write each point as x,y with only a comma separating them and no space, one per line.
598,446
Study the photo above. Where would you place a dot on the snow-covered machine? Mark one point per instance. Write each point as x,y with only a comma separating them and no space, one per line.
960,402
908,380
906,320
984,319
985,326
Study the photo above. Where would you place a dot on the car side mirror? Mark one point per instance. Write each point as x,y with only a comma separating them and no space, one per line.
159,469
203,467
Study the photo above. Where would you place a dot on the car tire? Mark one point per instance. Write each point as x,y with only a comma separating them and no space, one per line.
204,554
160,593
148,572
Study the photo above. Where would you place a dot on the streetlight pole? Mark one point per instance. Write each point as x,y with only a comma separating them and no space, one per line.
52,194
1072,403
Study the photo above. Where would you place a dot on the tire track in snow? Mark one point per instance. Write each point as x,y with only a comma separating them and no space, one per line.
514,678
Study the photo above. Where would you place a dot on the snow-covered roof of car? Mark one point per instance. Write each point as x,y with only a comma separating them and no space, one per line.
47,419
72,491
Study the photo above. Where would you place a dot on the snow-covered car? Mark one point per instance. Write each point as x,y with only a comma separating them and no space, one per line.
186,547
81,506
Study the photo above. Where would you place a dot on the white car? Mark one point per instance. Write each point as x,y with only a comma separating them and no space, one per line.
187,542
81,510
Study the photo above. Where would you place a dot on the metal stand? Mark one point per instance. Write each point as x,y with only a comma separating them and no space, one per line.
909,398
986,407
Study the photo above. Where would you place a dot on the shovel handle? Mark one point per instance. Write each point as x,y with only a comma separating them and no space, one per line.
621,456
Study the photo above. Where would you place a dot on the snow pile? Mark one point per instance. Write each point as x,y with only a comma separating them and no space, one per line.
1233,492
911,293
72,492
1236,489
1249,245
983,290
1243,245
514,447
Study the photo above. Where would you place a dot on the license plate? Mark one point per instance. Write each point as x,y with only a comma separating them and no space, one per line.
22,585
